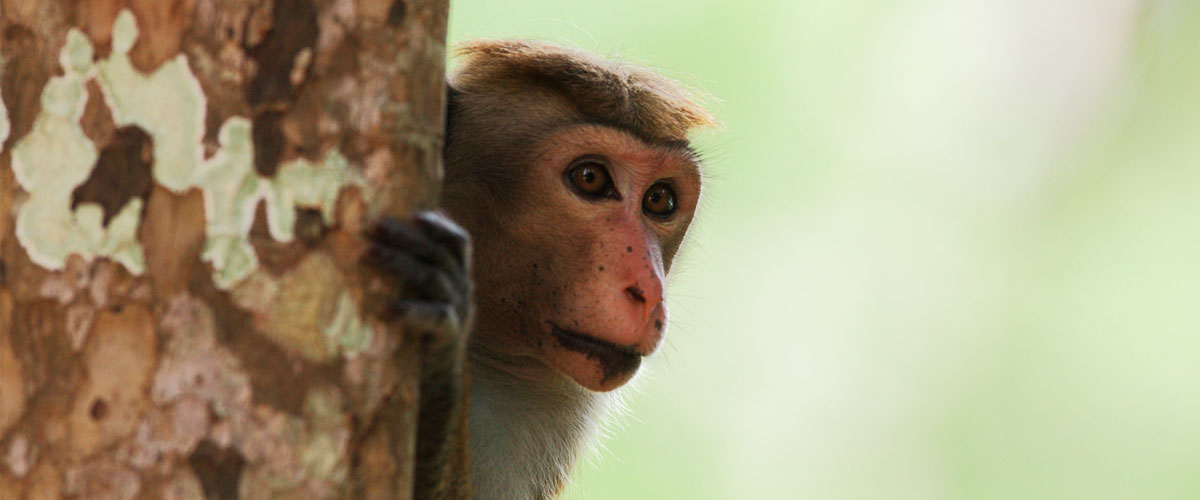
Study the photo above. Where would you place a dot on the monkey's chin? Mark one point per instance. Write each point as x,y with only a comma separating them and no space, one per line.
593,363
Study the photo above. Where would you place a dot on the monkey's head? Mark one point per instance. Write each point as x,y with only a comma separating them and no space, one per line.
575,178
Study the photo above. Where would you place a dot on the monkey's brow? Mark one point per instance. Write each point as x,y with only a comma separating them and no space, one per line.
683,148
678,147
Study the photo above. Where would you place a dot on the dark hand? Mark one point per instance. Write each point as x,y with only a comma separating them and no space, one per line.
427,261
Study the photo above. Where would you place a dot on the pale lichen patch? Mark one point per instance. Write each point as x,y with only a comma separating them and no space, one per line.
118,240
170,106
231,192
52,160
347,328
231,186
301,183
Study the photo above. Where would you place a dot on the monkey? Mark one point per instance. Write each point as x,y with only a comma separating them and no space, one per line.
569,186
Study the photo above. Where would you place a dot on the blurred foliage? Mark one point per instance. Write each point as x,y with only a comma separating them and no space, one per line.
948,249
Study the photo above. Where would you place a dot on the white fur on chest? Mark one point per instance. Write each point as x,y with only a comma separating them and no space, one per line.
523,443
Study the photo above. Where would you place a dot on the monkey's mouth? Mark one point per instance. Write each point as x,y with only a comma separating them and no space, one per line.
614,359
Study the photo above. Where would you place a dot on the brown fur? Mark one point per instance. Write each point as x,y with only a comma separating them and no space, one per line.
507,95
514,107
614,93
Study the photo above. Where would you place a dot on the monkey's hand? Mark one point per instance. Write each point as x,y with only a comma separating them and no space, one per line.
427,262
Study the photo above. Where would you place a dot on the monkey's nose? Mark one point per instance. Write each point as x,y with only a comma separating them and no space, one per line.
644,298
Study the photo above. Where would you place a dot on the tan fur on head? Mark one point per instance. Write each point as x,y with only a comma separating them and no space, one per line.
519,116
610,92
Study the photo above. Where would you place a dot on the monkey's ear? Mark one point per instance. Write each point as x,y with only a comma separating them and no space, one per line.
451,105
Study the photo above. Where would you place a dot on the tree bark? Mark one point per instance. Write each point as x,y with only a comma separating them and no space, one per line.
183,186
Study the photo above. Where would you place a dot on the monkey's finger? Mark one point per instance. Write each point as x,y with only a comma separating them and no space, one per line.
446,232
417,277
408,238
441,287
400,266
440,321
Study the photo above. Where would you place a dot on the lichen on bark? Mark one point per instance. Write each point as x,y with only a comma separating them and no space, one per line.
169,105
180,315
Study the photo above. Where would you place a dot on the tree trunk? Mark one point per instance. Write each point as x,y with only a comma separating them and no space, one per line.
183,184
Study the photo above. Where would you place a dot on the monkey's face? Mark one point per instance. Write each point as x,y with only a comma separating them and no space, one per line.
576,270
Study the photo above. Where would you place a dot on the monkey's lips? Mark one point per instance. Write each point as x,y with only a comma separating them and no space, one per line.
616,361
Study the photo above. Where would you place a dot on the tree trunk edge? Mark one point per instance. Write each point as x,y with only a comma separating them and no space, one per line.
188,373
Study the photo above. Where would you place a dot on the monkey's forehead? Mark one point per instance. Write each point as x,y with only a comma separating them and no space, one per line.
570,138
608,91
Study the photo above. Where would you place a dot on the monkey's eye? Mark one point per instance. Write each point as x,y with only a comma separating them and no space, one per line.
591,178
659,201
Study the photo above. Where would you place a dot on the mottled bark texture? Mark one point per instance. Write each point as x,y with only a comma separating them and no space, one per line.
183,185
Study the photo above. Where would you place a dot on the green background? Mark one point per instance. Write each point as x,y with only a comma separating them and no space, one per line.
948,249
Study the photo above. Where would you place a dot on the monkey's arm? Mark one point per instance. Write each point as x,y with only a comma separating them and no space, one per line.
428,261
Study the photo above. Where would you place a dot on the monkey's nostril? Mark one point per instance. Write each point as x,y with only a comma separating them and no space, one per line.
636,293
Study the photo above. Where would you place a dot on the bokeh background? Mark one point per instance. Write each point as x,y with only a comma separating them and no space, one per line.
949,249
